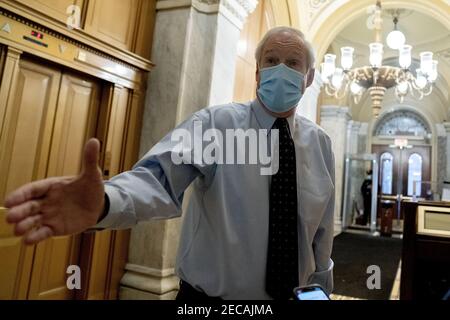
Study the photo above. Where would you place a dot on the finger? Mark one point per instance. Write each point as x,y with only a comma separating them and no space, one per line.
26,225
22,211
38,235
91,156
28,192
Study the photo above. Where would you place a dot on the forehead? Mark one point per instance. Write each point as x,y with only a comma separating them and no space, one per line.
285,42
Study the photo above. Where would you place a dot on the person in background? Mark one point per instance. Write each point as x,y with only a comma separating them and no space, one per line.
366,192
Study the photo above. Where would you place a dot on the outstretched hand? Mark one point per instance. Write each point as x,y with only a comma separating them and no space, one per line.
61,205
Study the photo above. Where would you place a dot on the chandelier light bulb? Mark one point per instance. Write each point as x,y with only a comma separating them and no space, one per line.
337,78
395,39
426,62
405,56
322,73
421,80
402,87
347,57
376,54
329,65
434,71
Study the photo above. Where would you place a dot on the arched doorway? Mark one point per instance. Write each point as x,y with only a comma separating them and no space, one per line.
401,142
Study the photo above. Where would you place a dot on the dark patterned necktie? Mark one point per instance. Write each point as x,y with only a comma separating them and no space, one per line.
282,254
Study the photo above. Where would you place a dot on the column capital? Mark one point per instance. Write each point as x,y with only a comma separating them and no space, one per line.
333,112
364,129
354,125
236,11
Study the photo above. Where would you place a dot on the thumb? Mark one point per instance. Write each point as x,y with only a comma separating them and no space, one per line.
90,158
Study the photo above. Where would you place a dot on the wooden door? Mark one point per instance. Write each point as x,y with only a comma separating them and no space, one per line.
408,155
400,166
46,118
75,122
113,21
105,253
392,155
30,102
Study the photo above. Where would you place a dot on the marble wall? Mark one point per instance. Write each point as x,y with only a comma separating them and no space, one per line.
164,85
334,120
150,268
224,62
195,49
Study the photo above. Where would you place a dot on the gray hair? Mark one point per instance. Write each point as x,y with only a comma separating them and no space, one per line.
274,31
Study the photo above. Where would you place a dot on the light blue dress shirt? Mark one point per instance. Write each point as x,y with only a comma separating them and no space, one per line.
223,243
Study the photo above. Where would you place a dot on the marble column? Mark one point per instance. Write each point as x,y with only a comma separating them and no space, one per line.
334,120
363,138
353,128
194,49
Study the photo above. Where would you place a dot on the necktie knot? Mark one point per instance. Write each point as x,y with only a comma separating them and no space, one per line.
280,123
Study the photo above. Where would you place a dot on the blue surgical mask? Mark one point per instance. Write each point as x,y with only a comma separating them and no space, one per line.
280,88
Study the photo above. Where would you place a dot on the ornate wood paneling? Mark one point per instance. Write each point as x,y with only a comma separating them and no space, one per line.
65,51
127,38
57,9
24,145
103,23
47,112
75,123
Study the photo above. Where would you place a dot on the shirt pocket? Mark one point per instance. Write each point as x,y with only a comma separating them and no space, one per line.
315,193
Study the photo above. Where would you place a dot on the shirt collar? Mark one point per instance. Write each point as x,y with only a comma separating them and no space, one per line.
266,120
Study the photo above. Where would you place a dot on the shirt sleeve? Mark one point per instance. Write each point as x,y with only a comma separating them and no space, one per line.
155,187
323,239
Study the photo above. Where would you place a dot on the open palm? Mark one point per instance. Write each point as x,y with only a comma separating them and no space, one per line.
61,205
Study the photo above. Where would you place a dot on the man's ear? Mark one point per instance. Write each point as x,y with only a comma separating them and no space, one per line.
310,77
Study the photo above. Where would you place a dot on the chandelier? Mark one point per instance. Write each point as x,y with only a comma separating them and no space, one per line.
378,78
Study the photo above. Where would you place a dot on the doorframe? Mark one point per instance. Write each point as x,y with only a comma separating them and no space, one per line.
373,209
402,169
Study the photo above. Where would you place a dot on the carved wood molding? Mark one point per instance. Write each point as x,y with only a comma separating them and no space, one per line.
66,51
77,37
59,36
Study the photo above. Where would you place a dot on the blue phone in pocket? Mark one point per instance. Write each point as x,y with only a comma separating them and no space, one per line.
311,292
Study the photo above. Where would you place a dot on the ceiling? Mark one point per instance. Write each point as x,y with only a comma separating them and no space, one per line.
418,28
421,31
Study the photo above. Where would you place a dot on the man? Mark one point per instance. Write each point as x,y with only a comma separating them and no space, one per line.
245,235
366,192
